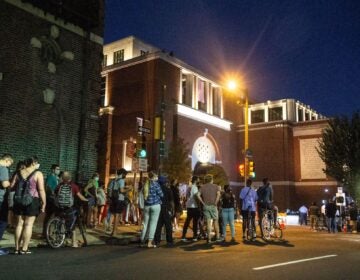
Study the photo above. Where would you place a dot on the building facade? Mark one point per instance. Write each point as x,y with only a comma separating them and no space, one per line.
50,64
141,82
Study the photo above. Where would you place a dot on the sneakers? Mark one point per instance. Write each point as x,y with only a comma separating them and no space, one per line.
4,252
194,239
184,240
232,239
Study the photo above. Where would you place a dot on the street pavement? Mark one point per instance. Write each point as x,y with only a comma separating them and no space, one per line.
302,254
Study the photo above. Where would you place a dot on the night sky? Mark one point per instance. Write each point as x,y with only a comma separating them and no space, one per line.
306,50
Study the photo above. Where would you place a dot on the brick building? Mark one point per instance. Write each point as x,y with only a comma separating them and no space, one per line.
50,64
138,78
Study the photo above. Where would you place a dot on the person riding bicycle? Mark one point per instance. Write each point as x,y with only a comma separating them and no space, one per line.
248,197
265,200
65,194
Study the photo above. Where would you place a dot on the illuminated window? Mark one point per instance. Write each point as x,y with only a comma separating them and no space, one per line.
257,116
118,56
216,101
187,89
300,115
201,95
275,114
104,62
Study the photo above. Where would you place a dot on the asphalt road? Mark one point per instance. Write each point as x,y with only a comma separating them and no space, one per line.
302,255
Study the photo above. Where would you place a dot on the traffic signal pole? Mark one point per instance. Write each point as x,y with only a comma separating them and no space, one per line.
161,141
246,140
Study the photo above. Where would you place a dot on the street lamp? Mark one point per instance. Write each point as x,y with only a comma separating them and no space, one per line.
232,86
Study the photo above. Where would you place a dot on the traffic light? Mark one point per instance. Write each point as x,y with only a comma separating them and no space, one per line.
251,169
141,147
242,169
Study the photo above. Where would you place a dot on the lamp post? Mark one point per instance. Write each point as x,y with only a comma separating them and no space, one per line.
232,86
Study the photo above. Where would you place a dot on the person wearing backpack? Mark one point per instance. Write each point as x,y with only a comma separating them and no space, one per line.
65,195
29,201
6,161
265,199
116,194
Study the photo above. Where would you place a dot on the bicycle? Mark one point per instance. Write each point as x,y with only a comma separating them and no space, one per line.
250,226
62,225
270,227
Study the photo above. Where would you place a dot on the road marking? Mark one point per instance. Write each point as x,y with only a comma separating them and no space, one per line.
292,262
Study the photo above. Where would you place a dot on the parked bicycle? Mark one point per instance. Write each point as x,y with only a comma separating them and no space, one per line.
271,227
61,227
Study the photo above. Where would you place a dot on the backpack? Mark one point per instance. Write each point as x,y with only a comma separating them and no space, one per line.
114,195
22,194
65,197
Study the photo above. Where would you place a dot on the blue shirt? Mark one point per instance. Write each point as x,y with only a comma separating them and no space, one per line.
249,198
155,194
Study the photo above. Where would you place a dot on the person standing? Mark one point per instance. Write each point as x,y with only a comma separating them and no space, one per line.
90,193
248,196
210,197
152,198
228,211
6,161
177,202
166,213
303,211
193,210
314,215
27,214
330,210
52,181
265,200
116,194
353,212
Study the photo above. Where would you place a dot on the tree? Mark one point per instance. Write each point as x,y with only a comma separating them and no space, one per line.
177,164
219,174
340,151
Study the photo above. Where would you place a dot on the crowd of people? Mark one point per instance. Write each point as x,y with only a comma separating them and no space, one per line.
330,217
155,203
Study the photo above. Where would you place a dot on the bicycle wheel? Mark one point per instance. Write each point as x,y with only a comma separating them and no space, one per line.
55,232
266,227
249,229
82,231
278,232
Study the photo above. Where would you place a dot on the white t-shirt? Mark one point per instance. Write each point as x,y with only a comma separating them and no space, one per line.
191,201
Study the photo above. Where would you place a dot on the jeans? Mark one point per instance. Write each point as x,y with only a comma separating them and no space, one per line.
331,224
228,218
303,218
192,214
164,219
151,216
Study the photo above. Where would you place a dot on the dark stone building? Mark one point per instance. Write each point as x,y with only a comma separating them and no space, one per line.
50,64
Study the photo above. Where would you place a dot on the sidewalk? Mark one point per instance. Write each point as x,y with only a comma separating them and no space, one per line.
95,236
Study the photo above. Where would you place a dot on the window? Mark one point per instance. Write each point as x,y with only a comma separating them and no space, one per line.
102,91
257,116
307,116
104,62
187,89
300,115
275,114
143,52
118,56
201,96
216,101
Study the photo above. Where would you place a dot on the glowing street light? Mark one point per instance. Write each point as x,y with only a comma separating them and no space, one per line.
232,86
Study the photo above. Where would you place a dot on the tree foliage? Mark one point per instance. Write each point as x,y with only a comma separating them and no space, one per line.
219,174
340,150
177,164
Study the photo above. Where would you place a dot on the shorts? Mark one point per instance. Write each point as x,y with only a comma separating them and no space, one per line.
211,212
30,211
117,206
